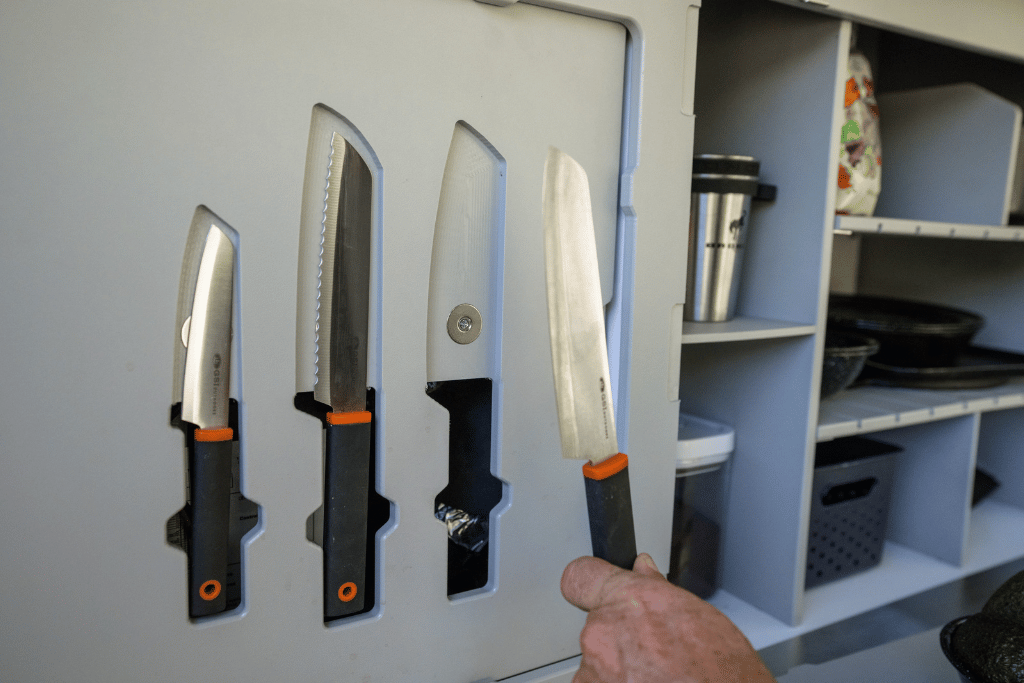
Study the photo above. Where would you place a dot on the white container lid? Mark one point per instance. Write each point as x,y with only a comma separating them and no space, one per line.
702,444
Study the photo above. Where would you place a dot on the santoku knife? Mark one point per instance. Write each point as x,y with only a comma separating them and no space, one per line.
202,384
579,357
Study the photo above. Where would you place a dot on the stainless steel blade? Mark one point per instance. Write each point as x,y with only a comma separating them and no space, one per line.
579,353
203,334
343,289
466,264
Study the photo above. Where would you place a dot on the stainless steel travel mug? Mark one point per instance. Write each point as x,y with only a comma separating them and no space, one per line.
719,214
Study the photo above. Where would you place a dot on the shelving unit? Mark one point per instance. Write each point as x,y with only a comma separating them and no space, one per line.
770,83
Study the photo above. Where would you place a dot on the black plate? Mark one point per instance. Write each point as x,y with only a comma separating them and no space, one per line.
977,368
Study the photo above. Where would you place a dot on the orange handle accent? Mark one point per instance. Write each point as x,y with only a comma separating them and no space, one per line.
209,590
224,434
347,592
353,418
606,468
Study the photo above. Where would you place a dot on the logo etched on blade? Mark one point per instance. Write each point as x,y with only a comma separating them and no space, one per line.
214,408
604,406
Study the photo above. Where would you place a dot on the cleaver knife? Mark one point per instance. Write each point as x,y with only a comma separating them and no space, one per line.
341,338
579,357
201,385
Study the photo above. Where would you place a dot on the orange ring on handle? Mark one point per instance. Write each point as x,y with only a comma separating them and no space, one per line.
606,468
347,592
209,590
224,434
355,417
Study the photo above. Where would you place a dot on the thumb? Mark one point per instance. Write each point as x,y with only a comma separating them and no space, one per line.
585,580
644,566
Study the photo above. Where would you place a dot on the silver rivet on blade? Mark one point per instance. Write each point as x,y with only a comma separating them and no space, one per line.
184,331
464,324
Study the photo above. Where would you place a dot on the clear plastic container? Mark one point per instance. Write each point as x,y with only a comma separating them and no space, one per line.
702,474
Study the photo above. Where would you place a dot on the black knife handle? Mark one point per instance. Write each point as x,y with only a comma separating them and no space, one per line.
611,510
210,487
346,498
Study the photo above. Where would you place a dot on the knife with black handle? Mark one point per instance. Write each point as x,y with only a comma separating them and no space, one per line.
579,356
346,500
340,368
202,386
210,486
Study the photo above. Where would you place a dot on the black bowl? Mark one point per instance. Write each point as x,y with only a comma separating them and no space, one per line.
911,334
946,640
845,355
989,649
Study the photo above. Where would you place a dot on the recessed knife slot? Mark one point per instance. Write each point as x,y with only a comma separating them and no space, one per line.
378,513
465,505
243,516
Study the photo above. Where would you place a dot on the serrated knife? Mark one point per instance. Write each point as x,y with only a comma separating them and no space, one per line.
579,357
342,331
202,386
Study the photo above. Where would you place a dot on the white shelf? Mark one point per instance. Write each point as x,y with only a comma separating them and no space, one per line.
996,537
871,409
742,329
873,225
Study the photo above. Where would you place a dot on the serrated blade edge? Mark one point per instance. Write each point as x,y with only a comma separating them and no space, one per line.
325,278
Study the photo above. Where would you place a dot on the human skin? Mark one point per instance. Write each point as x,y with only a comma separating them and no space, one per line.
642,629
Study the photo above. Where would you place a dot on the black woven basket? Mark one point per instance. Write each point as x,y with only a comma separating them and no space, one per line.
849,507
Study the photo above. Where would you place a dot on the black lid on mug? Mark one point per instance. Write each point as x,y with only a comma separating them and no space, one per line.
726,164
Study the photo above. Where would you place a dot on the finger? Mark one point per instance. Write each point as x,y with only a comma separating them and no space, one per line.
583,581
644,566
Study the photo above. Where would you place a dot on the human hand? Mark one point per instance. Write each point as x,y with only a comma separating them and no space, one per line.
642,629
